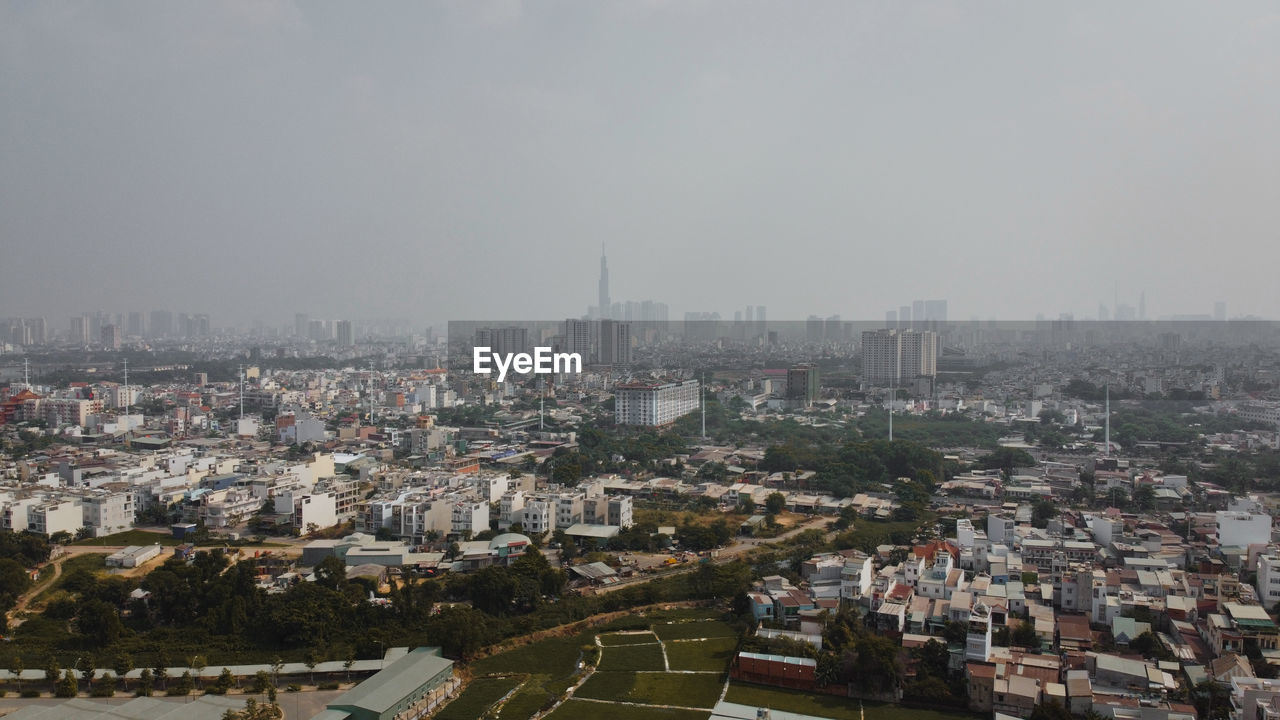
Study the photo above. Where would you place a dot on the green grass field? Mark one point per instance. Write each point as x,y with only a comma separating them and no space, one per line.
632,657
637,639
699,629
713,654
585,710
829,706
479,696
653,688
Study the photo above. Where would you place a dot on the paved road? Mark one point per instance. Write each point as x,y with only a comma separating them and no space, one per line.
297,706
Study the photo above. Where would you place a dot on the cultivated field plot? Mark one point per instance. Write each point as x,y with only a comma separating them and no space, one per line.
682,690
829,706
611,639
711,655
698,629
479,696
632,657
587,710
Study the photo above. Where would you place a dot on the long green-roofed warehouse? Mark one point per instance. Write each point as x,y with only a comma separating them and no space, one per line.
407,688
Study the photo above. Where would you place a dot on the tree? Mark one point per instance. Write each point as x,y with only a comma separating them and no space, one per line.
122,666
1024,635
183,685
86,666
331,573
261,681
775,503
15,668
225,682
1042,511
747,505
146,683
311,660
67,686
348,662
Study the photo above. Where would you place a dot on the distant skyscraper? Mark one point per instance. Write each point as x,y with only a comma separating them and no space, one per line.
301,325
111,337
750,316
935,311
891,318
80,329
605,306
904,317
161,323
577,338
135,324
615,342
346,337
917,314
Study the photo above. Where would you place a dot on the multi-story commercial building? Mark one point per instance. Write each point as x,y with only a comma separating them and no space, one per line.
1268,586
111,337
654,404
537,517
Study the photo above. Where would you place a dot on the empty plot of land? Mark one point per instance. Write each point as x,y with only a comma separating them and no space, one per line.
610,639
698,629
631,657
587,710
706,655
683,690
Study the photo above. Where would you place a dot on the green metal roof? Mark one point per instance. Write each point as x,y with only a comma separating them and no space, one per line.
389,686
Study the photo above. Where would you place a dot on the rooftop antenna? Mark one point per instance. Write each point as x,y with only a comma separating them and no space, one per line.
542,401
242,392
127,397
1107,422
26,372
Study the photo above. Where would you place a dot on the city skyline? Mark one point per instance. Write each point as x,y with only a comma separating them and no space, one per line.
255,161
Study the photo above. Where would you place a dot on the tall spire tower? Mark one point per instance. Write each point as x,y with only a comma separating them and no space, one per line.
605,305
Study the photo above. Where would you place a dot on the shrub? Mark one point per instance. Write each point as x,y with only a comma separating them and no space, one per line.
327,686
293,687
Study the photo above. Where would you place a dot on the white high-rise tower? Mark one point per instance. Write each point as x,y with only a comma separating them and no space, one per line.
605,306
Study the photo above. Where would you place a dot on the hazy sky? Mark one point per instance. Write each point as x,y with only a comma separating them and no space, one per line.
467,159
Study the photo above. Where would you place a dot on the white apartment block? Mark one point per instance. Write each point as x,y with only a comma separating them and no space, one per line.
1243,529
318,509
569,509
54,516
107,513
511,507
1269,580
537,517
470,517
654,404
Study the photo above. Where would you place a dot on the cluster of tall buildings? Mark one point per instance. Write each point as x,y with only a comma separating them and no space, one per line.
893,356
919,315
322,331
105,329
642,311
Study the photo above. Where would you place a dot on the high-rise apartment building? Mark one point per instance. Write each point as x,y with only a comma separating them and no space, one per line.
893,356
346,337
654,404
161,323
802,385
80,329
615,342
111,337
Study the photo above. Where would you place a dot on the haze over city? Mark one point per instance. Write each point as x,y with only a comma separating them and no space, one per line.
468,160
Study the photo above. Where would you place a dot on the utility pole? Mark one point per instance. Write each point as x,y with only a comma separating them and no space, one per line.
702,402
892,396
241,393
